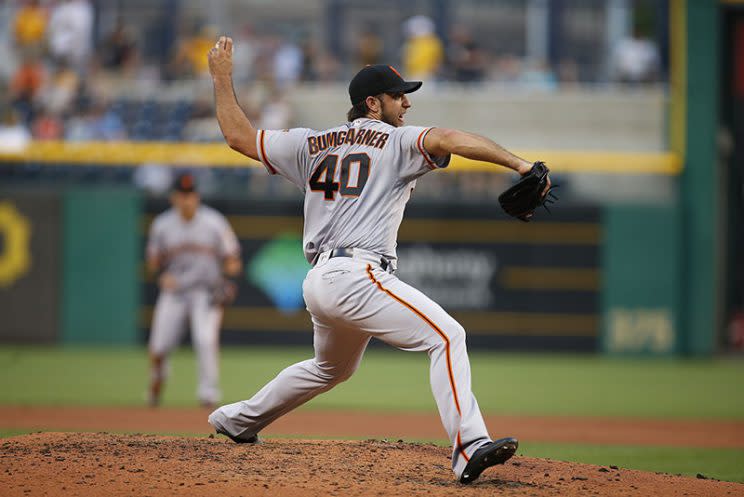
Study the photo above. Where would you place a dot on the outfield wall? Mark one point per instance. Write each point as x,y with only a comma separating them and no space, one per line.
30,267
587,278
69,264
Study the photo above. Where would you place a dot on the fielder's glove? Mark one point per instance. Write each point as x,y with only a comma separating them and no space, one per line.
528,193
224,293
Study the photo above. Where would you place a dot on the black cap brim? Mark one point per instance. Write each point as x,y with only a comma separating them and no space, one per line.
184,183
377,79
406,87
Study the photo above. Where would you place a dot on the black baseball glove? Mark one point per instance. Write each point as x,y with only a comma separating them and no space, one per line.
528,193
224,293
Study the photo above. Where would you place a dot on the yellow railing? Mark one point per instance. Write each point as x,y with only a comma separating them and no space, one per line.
219,155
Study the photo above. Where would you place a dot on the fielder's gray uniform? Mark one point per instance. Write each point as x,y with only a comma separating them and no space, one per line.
357,179
193,252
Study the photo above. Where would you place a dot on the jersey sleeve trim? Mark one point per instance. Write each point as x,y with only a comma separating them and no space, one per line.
262,152
420,144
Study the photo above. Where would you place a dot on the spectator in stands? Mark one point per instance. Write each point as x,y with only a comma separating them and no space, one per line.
327,67
287,63
538,75
202,125
14,136
29,25
263,62
79,127
190,60
60,89
10,57
423,52
118,51
568,72
97,122
467,62
107,124
276,112
244,56
369,48
155,179
508,69
311,53
317,64
26,84
71,33
47,126
636,59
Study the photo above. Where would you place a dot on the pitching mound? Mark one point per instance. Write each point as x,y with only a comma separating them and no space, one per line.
105,464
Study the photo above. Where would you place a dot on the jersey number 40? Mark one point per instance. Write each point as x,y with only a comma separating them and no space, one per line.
323,178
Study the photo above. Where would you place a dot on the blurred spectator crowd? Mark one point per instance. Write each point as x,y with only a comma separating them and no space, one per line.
59,85
74,72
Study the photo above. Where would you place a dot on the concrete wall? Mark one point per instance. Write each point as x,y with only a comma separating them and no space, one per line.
587,119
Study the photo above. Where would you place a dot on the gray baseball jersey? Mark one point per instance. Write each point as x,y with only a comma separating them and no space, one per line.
359,176
357,179
193,250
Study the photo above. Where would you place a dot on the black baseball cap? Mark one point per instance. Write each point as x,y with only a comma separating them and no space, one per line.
184,183
376,79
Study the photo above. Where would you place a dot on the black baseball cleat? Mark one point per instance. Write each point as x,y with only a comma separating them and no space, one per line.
251,440
491,454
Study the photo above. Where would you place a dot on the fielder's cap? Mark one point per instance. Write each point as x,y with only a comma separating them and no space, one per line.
184,183
376,79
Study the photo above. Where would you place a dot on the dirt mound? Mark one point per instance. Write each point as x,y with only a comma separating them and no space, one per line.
105,464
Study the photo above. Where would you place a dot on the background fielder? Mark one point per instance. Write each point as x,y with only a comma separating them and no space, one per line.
192,245
357,178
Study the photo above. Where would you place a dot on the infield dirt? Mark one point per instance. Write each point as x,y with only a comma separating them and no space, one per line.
107,464
148,465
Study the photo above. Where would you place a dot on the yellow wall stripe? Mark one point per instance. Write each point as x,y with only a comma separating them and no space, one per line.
434,230
578,161
528,324
130,153
219,154
490,231
516,278
437,230
551,278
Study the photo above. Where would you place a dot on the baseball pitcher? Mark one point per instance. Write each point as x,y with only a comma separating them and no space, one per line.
357,178
194,249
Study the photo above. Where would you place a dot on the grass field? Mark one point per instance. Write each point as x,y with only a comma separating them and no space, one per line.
536,385
389,379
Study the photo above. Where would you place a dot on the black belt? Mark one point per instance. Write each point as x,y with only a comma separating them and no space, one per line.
349,252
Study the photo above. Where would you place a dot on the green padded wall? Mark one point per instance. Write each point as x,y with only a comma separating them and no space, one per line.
100,286
700,181
642,280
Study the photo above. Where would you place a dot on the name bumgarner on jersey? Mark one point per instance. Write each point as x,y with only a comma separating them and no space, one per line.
357,179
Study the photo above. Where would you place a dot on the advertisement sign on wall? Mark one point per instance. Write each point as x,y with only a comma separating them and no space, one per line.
512,285
29,267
